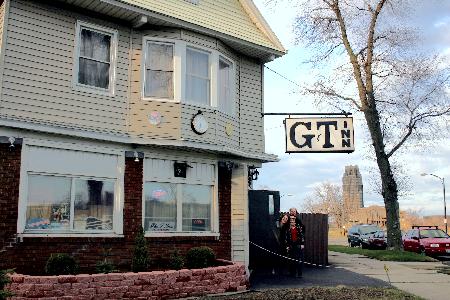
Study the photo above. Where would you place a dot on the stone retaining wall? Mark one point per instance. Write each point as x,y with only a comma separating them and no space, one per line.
144,285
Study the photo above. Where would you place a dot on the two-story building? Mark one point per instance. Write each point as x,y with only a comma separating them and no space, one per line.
116,114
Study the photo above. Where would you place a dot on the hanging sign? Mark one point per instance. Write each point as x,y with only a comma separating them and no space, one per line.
319,135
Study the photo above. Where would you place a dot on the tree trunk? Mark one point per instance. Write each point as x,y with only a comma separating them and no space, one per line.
389,186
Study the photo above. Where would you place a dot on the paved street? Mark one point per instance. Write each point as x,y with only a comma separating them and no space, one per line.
417,278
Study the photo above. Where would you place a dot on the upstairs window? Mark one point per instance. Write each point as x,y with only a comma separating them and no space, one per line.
197,77
173,70
95,57
225,84
159,69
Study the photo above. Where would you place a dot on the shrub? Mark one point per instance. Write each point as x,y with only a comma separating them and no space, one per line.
176,261
200,257
4,280
61,264
105,266
140,260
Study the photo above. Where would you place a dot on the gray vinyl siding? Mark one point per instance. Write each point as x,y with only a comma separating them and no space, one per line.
38,72
251,122
38,84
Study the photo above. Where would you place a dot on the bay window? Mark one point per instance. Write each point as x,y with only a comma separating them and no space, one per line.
95,57
173,70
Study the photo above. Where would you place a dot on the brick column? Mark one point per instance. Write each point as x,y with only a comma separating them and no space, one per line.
9,190
132,211
225,212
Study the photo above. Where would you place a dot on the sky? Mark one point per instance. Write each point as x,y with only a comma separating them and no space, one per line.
295,175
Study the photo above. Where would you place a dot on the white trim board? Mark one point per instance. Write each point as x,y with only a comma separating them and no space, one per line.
195,146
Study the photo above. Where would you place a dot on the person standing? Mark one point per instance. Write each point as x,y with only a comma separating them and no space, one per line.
295,243
282,227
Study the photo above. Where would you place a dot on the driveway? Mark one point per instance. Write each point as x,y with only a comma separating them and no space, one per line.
421,279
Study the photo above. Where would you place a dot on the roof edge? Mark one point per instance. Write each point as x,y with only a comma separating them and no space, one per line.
187,25
260,22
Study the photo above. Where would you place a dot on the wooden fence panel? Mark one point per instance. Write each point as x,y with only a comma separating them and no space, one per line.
316,238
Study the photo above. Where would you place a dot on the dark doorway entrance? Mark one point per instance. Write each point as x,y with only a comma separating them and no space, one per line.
264,210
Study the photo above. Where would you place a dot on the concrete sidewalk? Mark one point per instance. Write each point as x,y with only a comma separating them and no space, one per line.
418,278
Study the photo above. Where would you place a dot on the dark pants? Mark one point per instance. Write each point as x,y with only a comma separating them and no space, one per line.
295,267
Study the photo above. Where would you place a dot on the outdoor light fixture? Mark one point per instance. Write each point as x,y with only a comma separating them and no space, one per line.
136,156
179,169
11,140
443,188
252,174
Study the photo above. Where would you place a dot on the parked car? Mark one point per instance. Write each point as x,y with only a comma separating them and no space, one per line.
358,235
378,240
428,240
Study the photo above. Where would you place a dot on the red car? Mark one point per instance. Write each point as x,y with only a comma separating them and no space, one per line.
377,240
427,240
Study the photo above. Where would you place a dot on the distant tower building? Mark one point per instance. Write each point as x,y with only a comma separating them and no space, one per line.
352,189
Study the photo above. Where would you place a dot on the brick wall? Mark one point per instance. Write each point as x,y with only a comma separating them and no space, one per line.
145,285
29,256
9,190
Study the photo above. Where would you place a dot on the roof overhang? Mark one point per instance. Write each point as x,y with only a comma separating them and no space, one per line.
131,14
224,151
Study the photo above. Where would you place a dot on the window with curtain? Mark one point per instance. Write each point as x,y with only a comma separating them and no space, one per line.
197,77
178,207
95,57
225,98
68,204
159,69
174,70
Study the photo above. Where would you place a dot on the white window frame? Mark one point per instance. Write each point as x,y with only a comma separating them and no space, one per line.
212,71
178,58
214,232
117,230
113,59
179,74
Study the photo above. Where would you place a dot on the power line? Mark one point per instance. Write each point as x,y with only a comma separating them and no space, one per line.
282,76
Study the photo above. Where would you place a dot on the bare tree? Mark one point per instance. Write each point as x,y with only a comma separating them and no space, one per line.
373,66
326,198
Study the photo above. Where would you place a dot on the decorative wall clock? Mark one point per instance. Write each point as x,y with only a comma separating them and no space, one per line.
199,123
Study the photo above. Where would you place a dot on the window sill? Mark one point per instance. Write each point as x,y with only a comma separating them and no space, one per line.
182,234
92,90
149,99
88,234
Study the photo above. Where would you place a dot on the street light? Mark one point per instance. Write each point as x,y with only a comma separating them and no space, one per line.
443,188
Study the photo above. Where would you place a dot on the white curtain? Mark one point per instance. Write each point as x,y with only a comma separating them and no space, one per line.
159,71
224,85
197,77
94,61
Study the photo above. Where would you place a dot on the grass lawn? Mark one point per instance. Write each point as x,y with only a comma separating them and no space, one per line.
335,293
388,255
